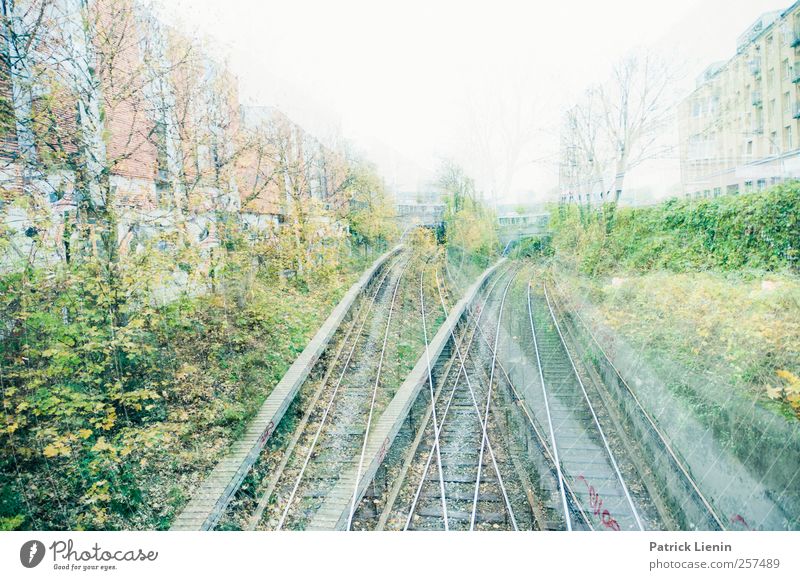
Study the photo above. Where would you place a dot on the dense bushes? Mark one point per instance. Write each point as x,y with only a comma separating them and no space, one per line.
532,247
115,400
758,231
470,230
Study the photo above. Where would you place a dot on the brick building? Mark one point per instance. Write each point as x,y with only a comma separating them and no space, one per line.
102,101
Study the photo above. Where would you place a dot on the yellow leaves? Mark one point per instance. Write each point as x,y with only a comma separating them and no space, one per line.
108,421
792,380
99,492
102,445
85,433
11,428
789,391
58,447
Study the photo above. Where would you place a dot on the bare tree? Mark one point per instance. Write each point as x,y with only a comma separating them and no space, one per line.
636,105
615,127
583,157
453,181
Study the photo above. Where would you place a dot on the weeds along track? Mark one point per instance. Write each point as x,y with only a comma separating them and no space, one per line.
324,429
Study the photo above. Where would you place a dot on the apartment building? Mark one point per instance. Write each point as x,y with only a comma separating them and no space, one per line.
99,99
739,129
104,88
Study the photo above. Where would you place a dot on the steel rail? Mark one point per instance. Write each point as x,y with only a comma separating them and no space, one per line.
548,454
325,414
651,421
486,418
478,412
414,447
594,415
450,399
556,459
265,497
433,401
374,396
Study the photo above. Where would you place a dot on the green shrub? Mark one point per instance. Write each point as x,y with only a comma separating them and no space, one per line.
753,231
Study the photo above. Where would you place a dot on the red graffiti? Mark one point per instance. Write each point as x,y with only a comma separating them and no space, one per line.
267,432
596,503
738,519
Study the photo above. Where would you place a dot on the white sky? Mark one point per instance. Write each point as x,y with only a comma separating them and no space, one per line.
413,76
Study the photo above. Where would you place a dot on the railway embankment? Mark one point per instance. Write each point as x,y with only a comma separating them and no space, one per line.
695,305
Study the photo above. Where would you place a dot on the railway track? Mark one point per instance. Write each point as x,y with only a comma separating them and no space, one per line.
333,424
454,473
326,435
475,451
470,497
678,496
580,446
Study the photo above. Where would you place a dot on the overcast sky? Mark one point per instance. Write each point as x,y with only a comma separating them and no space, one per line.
427,78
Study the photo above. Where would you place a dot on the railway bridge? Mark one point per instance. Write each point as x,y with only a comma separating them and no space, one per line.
424,214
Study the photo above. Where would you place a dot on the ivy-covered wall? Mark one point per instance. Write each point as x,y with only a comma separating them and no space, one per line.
752,231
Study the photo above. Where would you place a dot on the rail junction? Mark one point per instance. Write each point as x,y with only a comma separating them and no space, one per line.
421,407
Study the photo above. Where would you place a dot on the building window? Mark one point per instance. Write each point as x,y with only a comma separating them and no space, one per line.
749,149
717,191
788,138
773,143
733,189
785,68
762,184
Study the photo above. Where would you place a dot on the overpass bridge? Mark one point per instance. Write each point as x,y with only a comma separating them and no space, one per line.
515,227
424,214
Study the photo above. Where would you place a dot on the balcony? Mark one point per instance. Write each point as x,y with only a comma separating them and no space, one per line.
757,128
796,110
756,98
794,74
755,67
795,39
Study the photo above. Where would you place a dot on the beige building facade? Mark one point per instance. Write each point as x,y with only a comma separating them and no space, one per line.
740,127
